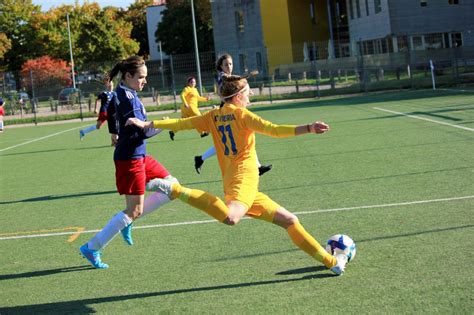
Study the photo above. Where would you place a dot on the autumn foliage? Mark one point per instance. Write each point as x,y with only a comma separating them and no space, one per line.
46,71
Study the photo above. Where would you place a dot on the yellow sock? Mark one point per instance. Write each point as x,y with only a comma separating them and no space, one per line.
309,245
202,200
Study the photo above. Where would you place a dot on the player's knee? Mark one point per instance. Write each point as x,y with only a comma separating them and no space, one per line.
293,219
135,215
231,220
287,220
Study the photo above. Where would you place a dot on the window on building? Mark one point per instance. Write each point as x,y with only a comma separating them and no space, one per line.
456,39
424,3
446,42
351,10
239,21
367,7
402,43
368,47
417,42
453,1
311,12
358,8
378,6
258,58
243,63
434,41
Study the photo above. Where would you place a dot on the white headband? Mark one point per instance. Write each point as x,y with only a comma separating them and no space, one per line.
232,95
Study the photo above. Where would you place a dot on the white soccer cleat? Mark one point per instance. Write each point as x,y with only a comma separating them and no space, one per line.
164,185
338,269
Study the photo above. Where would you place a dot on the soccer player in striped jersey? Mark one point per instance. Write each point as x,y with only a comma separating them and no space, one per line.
233,129
224,67
105,98
133,167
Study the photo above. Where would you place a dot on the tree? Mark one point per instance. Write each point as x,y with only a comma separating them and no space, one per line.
176,30
46,70
104,38
136,16
97,35
5,45
14,21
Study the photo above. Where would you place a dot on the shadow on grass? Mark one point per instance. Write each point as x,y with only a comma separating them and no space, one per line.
55,197
302,270
41,273
370,178
59,150
375,238
84,194
83,306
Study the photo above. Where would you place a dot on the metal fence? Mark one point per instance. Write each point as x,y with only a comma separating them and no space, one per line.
414,69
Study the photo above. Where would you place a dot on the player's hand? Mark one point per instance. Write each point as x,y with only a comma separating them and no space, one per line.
95,111
208,97
114,139
136,122
186,105
253,73
319,127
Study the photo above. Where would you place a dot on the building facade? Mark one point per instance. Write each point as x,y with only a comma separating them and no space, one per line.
385,26
262,34
153,17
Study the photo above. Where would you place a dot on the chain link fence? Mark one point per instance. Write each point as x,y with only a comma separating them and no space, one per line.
28,95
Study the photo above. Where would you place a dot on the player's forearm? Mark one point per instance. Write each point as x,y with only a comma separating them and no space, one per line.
280,131
172,124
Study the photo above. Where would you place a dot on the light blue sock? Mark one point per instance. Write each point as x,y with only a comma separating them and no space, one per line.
88,129
210,152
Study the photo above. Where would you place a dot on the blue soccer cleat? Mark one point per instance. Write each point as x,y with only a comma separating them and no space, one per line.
127,234
93,256
81,135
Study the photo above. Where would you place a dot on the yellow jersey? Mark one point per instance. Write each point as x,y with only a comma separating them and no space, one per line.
233,132
190,96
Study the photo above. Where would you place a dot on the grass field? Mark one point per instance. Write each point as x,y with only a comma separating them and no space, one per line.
395,173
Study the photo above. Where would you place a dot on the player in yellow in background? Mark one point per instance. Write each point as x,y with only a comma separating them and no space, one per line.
190,97
233,130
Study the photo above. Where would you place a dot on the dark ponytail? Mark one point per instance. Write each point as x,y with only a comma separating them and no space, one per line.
130,65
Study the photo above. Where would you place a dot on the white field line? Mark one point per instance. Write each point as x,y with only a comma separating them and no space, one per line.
38,139
398,204
423,118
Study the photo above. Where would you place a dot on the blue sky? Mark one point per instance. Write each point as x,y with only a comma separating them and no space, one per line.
47,4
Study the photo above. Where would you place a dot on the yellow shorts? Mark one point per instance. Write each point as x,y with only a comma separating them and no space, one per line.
244,188
189,112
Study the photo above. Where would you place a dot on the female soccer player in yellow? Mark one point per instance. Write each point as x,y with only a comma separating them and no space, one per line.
190,97
233,130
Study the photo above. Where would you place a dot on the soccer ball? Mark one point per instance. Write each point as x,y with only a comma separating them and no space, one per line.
341,244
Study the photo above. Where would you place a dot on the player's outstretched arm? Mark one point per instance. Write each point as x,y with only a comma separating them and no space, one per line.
139,123
315,127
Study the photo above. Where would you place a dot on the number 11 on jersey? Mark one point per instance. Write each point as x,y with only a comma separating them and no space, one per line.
227,130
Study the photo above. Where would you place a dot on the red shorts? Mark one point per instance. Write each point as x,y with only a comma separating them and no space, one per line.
131,176
102,116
